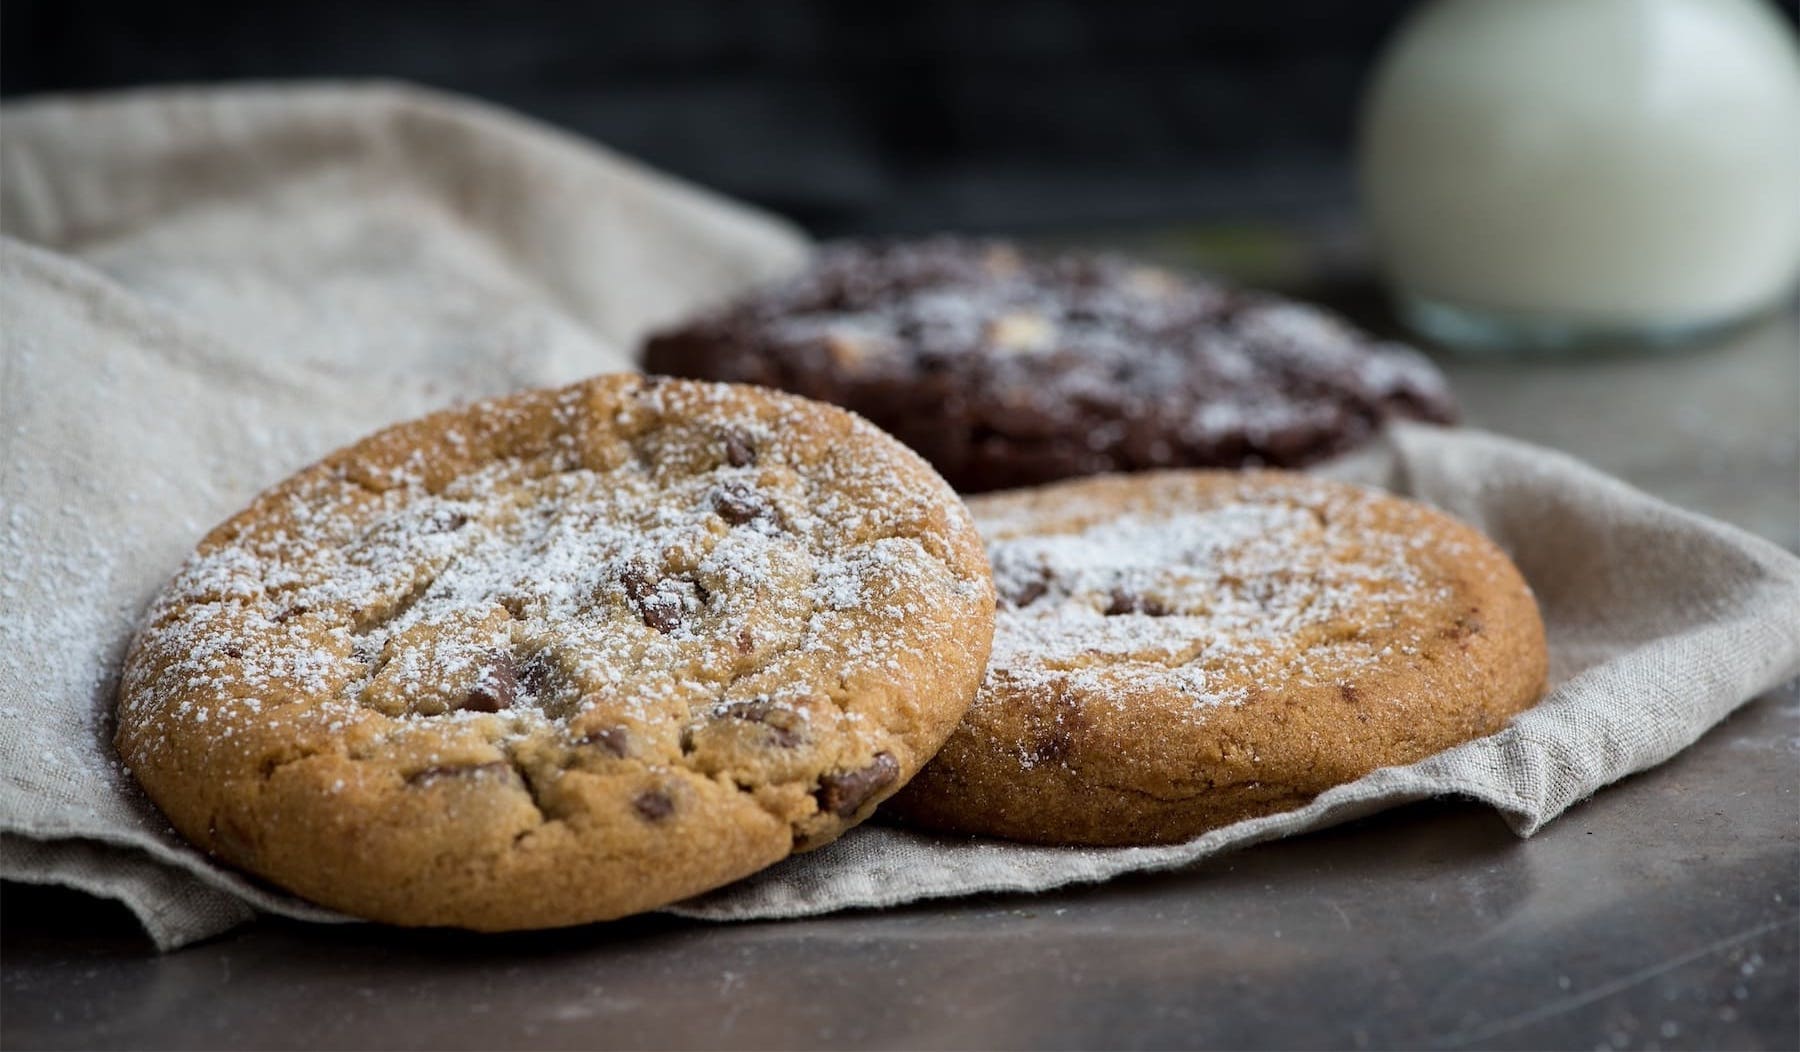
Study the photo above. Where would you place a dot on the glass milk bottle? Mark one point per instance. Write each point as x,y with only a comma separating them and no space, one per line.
1554,174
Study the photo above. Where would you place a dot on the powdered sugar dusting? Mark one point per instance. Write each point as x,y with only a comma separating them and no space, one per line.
584,582
1005,368
1207,598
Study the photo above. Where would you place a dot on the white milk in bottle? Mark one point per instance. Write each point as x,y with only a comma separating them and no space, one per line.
1549,174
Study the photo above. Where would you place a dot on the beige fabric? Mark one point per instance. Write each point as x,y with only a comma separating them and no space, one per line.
208,289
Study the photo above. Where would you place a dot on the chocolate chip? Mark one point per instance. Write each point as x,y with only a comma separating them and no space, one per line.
540,675
1123,602
232,650
739,453
661,612
787,728
1126,602
653,805
615,740
284,616
746,643
637,582
1348,692
468,770
737,503
659,609
1029,592
844,793
497,686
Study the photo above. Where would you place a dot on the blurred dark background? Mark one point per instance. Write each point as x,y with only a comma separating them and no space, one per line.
1028,116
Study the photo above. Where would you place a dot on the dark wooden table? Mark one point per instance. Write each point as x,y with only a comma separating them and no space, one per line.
1663,913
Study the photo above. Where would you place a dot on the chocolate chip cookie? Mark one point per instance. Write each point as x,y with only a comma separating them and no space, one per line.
560,656
1176,651
1005,369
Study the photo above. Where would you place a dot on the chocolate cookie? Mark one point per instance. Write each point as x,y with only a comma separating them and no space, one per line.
1008,370
1176,651
560,656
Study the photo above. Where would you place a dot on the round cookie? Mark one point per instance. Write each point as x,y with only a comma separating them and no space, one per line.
560,656
1177,651
1009,370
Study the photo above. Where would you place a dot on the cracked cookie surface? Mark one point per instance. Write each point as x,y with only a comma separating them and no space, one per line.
1010,369
560,656
1178,651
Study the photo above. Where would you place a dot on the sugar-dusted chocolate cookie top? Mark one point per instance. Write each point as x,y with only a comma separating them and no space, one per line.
1176,651
1007,369
561,656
